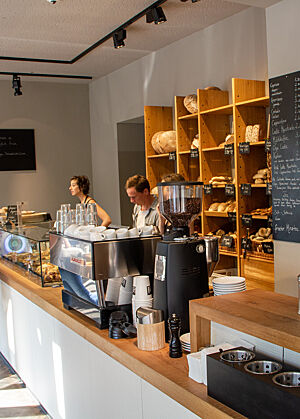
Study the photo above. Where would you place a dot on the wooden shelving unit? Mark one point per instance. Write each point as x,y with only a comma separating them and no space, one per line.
215,119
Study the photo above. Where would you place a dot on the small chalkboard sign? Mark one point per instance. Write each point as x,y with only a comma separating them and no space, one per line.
269,189
247,220
12,214
227,241
246,189
172,155
268,247
230,189
268,146
244,148
246,244
228,150
208,189
17,150
232,216
194,153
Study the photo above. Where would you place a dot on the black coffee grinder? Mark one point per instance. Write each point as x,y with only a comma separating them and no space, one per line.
180,272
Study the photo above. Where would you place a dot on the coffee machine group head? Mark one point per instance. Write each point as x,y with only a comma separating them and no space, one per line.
181,271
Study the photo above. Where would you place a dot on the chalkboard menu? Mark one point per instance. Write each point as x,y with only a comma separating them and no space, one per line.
285,137
17,151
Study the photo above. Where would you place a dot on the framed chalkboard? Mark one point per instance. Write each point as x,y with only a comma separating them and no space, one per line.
285,139
17,149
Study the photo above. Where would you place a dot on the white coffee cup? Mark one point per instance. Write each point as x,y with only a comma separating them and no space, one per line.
146,231
122,233
113,289
110,234
96,237
133,232
141,287
100,229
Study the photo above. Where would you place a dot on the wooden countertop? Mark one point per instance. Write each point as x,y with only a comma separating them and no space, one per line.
267,315
168,375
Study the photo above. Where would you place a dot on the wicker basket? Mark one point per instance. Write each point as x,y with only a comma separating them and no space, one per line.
257,251
228,249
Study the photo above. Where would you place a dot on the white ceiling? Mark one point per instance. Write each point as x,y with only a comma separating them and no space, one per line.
38,29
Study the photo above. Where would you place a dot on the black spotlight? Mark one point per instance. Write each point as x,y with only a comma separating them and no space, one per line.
16,84
119,38
156,15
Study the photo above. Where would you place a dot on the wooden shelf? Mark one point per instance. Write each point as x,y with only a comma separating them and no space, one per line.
258,185
261,259
260,101
224,253
182,153
267,315
213,149
158,156
222,110
216,214
258,217
190,116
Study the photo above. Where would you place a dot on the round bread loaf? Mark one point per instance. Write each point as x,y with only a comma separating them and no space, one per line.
155,142
212,88
190,103
167,141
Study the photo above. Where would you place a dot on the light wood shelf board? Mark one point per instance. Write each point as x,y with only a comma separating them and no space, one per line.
190,116
184,152
258,185
216,214
222,110
260,101
213,149
257,258
158,156
224,253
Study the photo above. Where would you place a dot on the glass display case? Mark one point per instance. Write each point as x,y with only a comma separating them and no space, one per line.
28,247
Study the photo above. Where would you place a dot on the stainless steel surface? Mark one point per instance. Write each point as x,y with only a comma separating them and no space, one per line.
160,267
287,379
237,355
263,367
212,253
105,259
149,315
100,293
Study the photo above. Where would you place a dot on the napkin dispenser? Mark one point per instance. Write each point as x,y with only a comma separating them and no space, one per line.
150,329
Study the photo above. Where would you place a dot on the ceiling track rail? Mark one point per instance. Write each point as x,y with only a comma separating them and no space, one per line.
61,76
90,48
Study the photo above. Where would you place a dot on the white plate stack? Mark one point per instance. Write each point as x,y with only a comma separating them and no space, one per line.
228,285
186,342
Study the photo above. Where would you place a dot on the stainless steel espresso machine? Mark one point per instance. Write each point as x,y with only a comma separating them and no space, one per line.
182,263
96,262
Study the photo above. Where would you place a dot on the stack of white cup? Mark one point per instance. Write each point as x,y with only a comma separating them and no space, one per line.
113,289
141,296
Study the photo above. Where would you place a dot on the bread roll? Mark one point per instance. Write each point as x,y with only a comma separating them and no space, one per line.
229,139
190,103
214,206
212,88
259,181
222,207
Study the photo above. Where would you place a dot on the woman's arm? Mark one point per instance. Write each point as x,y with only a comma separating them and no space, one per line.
106,220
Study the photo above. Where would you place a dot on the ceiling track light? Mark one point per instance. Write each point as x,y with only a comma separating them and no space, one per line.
156,15
51,1
118,38
16,85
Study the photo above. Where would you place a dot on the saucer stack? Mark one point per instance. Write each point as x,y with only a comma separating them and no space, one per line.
186,342
228,285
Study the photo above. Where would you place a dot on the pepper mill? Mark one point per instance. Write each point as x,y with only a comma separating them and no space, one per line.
175,350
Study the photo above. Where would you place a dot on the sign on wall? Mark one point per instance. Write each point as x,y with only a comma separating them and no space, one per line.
285,139
17,149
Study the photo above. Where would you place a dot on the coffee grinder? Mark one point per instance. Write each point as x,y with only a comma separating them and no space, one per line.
180,272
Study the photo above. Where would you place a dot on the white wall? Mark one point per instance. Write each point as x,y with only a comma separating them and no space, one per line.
59,114
234,47
283,33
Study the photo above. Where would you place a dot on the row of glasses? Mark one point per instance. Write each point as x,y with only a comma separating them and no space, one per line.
82,215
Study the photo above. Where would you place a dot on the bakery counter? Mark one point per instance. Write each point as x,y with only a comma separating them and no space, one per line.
75,370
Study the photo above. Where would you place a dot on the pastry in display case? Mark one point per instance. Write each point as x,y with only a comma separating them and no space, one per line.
28,247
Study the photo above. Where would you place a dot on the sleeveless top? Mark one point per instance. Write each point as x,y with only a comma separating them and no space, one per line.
87,199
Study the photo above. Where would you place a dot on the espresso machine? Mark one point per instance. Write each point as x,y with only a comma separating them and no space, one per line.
182,263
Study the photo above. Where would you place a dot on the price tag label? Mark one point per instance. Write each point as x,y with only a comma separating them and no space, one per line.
246,189
268,248
269,189
12,214
244,148
228,150
208,189
227,241
247,220
229,190
270,221
268,146
194,153
246,244
172,155
232,216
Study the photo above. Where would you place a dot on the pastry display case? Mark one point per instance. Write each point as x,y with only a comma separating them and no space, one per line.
28,248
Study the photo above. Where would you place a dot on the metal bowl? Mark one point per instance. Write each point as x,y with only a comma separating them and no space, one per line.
237,355
287,379
263,367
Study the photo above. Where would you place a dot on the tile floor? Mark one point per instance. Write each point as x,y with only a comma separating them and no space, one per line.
16,401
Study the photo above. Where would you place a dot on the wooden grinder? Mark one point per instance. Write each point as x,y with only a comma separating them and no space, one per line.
150,329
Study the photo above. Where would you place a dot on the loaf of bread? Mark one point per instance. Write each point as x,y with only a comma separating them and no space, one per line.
248,133
214,206
255,133
229,139
190,103
164,141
